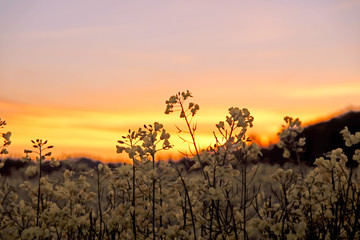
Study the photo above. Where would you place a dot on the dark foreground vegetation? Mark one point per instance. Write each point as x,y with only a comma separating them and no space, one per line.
305,187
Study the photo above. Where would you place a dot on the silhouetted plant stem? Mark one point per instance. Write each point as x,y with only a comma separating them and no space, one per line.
153,198
211,218
244,195
188,197
192,134
99,201
161,201
212,203
185,211
233,221
39,186
218,218
133,200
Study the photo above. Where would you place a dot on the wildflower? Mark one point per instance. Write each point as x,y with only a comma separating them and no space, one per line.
302,141
164,135
195,109
356,156
166,144
157,126
7,136
4,151
31,171
119,149
350,139
286,153
276,176
220,124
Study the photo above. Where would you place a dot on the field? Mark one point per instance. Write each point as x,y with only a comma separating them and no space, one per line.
224,192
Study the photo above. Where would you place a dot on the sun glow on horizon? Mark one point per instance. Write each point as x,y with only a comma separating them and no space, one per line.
94,134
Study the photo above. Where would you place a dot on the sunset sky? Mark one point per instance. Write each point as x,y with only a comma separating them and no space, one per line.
81,73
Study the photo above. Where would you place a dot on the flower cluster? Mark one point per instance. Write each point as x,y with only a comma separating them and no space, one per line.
350,139
322,205
176,102
289,137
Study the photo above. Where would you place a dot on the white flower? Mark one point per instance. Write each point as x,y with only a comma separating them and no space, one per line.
246,112
54,163
164,135
220,124
280,144
157,126
350,139
302,141
119,149
4,151
356,156
100,167
7,136
286,153
31,171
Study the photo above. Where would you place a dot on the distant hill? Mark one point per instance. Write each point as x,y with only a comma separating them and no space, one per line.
321,138
75,164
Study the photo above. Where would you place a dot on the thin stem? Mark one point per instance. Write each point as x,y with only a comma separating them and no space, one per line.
188,197
133,194
244,195
133,201
99,201
153,199
190,130
39,186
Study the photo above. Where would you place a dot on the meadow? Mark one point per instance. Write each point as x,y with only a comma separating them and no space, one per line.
225,194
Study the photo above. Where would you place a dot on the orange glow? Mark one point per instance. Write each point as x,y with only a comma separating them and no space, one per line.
94,134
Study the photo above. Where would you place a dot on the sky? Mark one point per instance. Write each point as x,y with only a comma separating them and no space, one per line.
81,73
